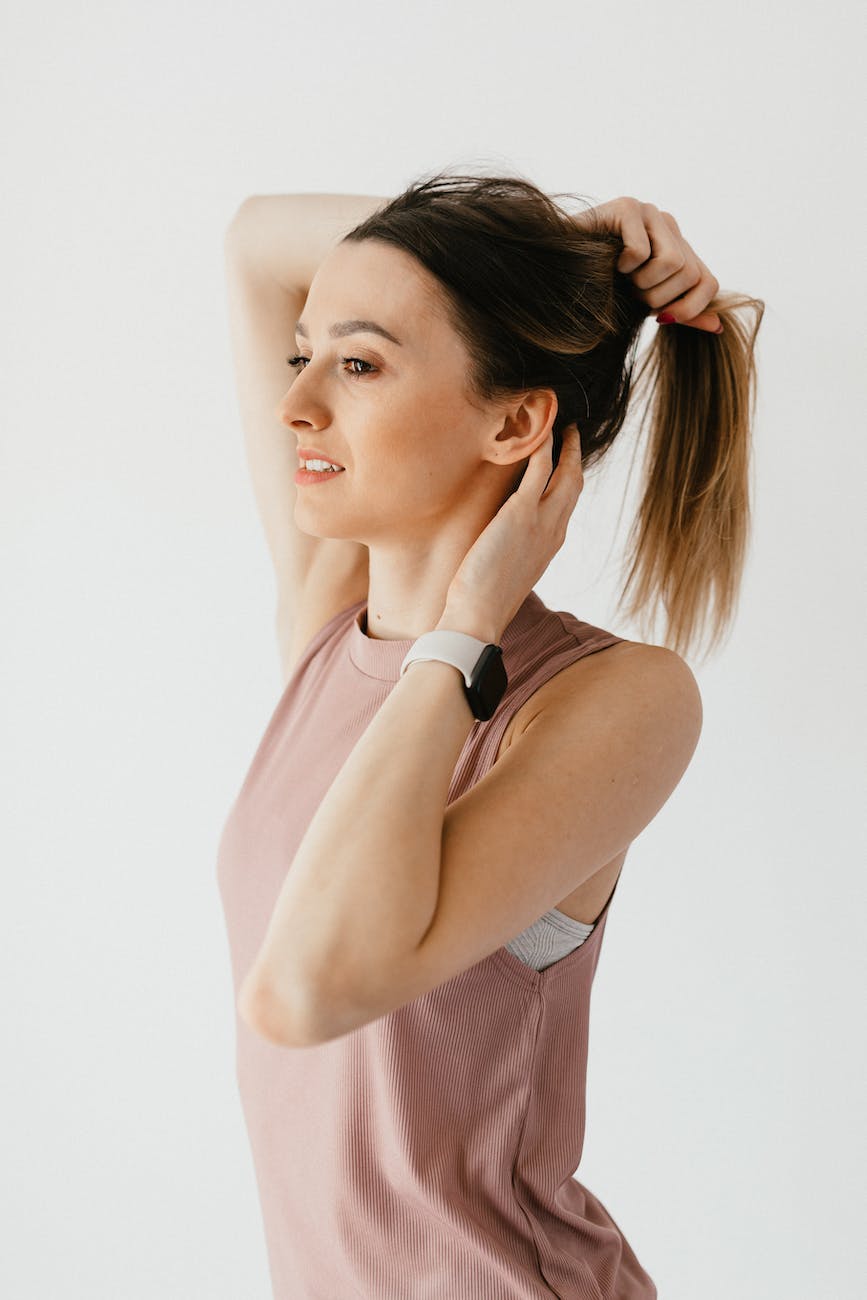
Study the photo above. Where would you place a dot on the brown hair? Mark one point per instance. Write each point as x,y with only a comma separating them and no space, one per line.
538,301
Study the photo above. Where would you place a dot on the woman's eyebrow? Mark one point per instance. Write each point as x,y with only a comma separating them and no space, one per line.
344,327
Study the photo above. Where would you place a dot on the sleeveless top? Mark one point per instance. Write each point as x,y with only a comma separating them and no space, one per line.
431,1152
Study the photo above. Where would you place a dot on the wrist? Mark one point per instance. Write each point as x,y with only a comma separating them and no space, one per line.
471,624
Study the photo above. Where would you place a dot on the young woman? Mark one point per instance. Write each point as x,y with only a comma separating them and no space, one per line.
417,870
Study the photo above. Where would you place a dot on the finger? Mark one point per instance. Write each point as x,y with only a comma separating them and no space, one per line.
691,308
574,455
622,217
668,217
567,483
539,469
636,243
708,322
567,480
571,446
662,295
668,256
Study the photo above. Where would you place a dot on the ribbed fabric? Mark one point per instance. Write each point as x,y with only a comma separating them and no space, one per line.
549,939
430,1154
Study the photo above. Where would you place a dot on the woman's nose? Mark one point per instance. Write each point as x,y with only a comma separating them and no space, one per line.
291,413
286,411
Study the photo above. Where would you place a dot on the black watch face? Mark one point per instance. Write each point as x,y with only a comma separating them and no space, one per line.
489,682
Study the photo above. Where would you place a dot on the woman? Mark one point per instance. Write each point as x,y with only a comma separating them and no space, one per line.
417,871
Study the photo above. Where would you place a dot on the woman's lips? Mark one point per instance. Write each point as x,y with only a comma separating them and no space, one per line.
310,453
306,477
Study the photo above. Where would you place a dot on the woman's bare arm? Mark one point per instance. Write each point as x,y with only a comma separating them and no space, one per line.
273,245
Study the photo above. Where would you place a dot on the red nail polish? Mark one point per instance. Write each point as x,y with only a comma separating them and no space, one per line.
666,318
720,330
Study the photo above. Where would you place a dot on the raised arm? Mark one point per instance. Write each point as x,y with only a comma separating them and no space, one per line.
273,245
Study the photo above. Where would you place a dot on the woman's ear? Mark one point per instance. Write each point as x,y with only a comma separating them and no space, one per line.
526,424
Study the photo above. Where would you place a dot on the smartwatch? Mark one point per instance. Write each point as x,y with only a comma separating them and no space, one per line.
481,663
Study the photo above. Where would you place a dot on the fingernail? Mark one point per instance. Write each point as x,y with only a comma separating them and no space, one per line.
666,318
720,330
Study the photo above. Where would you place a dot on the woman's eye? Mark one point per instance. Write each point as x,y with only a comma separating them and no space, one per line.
295,363
369,369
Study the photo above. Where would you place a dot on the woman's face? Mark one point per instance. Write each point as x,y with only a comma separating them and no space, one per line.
416,450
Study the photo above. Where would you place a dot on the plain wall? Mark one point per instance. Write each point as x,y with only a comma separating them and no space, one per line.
139,660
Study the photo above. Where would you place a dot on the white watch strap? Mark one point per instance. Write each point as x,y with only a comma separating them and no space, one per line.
457,648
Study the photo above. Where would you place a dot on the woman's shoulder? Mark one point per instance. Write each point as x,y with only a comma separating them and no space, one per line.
621,659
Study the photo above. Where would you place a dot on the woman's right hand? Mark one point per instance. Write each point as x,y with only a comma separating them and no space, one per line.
667,273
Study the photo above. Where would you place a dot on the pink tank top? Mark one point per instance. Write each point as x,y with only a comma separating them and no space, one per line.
429,1154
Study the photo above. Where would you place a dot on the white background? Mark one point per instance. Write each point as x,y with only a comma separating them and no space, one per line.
139,662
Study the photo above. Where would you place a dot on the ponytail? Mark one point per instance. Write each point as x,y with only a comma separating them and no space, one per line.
538,302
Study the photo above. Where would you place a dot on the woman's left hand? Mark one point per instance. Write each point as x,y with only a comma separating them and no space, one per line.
510,555
667,273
